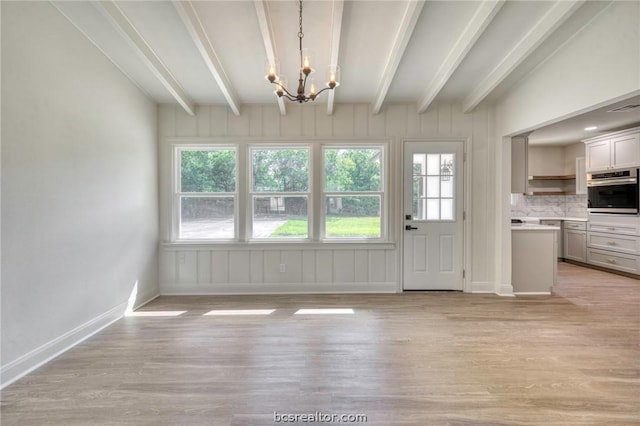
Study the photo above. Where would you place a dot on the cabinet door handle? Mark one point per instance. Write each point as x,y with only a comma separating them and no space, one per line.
611,243
611,228
611,261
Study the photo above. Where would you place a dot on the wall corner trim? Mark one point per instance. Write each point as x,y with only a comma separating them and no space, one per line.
505,290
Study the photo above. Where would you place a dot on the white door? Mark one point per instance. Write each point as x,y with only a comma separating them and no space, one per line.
433,215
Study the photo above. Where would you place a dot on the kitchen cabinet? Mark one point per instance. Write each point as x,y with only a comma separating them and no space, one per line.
613,151
534,264
575,241
557,223
614,245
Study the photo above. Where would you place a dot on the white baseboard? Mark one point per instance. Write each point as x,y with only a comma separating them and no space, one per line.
30,361
532,293
482,287
276,288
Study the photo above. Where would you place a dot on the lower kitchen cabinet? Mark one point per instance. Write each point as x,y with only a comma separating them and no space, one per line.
575,245
612,260
558,223
614,246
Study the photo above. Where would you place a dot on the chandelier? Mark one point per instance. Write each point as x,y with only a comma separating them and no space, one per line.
273,75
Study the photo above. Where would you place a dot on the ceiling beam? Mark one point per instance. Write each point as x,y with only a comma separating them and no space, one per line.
336,30
264,20
486,11
555,16
199,36
409,20
126,29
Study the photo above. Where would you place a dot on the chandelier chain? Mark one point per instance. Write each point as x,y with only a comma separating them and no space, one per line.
300,33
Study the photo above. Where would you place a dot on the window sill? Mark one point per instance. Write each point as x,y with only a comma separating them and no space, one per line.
278,245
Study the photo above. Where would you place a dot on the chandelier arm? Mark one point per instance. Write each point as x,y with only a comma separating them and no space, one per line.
326,88
285,90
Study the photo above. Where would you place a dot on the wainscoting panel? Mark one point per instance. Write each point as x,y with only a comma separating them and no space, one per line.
207,270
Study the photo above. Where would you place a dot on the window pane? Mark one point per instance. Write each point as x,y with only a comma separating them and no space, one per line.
419,164
208,170
447,188
353,217
352,169
280,170
433,164
433,186
447,209
206,218
433,209
280,217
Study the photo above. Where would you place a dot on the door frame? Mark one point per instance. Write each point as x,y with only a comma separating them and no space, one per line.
466,201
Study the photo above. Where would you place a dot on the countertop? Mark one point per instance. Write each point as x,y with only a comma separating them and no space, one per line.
533,227
577,219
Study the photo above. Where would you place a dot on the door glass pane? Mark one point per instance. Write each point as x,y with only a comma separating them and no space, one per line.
446,205
433,209
446,188
434,186
433,164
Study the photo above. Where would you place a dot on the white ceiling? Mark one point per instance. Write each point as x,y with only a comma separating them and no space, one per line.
573,130
215,52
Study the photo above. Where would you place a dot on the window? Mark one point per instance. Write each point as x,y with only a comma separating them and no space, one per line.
206,193
280,193
261,192
353,192
433,187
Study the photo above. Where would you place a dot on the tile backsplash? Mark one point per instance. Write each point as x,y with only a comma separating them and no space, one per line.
549,205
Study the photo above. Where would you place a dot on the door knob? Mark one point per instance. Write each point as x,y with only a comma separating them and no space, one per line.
409,227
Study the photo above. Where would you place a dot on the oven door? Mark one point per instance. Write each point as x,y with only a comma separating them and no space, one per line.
613,197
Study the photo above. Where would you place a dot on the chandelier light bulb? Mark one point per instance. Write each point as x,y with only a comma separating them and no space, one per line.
272,69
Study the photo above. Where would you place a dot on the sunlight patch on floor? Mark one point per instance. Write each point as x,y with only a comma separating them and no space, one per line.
326,311
241,312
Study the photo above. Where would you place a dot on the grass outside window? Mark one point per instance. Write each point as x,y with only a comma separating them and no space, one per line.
356,227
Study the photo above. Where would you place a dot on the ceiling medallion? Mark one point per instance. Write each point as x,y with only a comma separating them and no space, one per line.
273,75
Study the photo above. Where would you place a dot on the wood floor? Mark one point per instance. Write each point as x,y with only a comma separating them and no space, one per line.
407,359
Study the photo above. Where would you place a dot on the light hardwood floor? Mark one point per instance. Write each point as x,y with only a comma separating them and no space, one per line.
407,359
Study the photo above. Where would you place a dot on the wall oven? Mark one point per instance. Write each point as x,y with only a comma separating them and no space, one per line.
615,191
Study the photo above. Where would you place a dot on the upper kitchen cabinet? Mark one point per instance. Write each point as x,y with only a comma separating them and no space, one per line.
617,150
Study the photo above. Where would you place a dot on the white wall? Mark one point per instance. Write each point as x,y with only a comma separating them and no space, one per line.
79,188
598,65
245,268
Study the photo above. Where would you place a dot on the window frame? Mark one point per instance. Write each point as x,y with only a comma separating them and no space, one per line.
382,193
178,195
251,195
243,196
